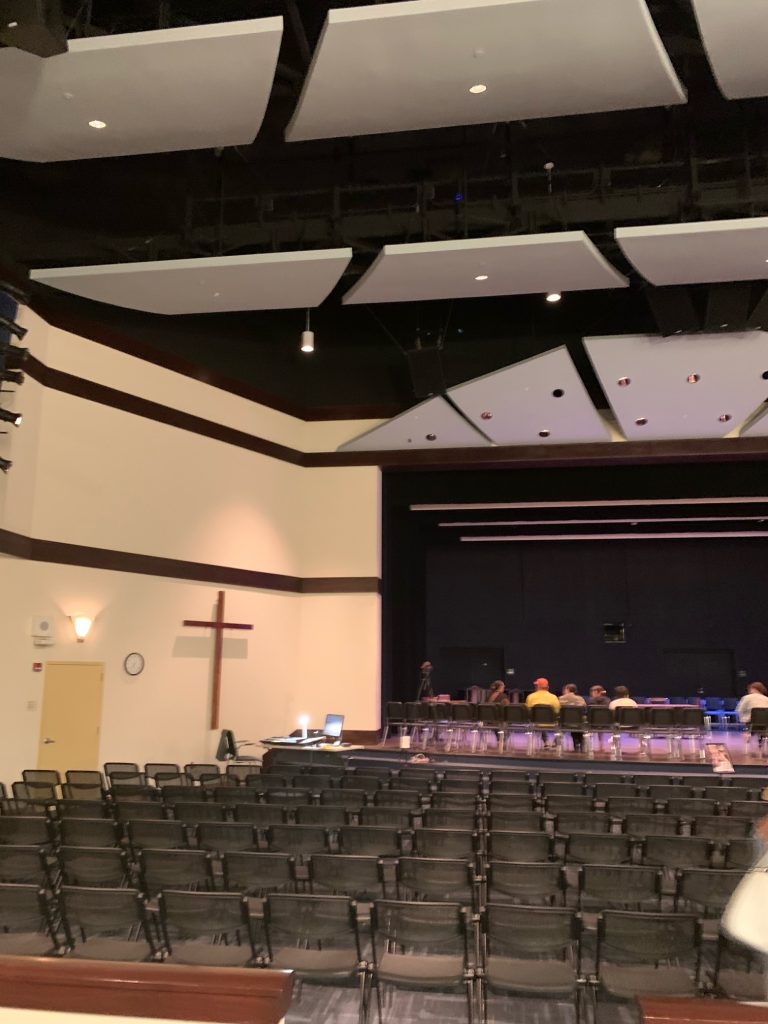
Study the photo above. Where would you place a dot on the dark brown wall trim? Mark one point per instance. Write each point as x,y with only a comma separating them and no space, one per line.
173,568
114,399
609,453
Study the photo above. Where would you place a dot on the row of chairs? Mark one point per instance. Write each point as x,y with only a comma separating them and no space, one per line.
505,949
460,723
645,839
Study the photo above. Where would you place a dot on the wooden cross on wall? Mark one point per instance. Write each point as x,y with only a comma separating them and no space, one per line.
218,626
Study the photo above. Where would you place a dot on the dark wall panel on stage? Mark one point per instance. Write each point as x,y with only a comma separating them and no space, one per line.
694,611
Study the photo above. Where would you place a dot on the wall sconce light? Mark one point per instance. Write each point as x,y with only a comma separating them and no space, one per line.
82,625
303,723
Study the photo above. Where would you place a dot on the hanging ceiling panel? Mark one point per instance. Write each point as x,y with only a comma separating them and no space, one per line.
220,284
205,86
476,267
432,424
691,385
735,35
404,66
538,401
703,253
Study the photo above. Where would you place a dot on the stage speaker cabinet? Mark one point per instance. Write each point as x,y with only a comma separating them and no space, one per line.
35,26
426,366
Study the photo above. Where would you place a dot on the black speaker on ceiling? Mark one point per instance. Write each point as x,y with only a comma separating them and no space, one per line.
673,310
727,306
426,366
35,26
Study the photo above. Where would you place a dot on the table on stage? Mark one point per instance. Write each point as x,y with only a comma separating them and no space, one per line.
702,1011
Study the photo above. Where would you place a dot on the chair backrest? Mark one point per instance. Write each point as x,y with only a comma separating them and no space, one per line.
630,886
307,920
641,825
520,846
196,915
600,716
175,869
597,848
395,711
661,718
573,717
705,890
463,713
297,839
649,938
195,771
44,775
543,714
516,715
24,830
94,866
85,778
261,815
89,832
444,842
490,714
227,835
535,882
158,835
678,851
416,927
88,912
372,840
198,810
689,718
593,822
721,826
361,878
24,865
536,933
630,718
152,768
258,873
435,878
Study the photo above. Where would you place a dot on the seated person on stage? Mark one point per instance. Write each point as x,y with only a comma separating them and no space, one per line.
541,695
755,697
496,694
598,696
621,699
570,698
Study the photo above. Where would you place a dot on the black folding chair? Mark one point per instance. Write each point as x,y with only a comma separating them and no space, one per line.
106,924
648,954
206,928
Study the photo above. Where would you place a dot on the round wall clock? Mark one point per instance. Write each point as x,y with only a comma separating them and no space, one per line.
134,663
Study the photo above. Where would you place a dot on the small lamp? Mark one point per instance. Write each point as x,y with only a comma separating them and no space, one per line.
303,723
82,625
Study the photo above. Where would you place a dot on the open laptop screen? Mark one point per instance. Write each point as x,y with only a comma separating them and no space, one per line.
333,726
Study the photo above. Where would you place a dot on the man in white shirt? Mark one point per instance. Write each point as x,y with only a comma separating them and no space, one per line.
621,699
755,697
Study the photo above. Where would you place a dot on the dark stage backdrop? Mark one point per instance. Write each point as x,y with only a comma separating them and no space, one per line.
694,612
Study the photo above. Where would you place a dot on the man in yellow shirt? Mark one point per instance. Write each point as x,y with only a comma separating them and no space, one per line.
541,695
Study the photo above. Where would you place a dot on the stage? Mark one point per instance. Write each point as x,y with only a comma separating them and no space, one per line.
746,760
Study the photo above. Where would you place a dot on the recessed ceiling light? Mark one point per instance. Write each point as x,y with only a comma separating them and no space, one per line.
486,415
554,296
15,24
640,421
724,417
693,378
543,433
481,277
558,393
430,437
97,124
477,89
624,382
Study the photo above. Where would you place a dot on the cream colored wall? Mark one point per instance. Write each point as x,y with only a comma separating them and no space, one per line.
96,476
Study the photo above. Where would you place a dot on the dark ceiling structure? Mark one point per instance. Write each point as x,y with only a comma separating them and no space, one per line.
706,159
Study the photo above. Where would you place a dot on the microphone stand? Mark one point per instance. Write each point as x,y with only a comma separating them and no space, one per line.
425,684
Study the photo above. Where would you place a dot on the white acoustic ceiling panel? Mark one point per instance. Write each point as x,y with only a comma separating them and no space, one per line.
200,87
403,66
433,424
735,35
719,250
691,385
538,401
565,261
219,284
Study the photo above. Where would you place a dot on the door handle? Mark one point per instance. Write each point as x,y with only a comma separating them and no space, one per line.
48,740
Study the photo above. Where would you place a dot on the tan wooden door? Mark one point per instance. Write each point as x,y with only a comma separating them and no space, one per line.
70,722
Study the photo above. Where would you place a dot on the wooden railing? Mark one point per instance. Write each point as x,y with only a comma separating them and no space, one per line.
223,995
